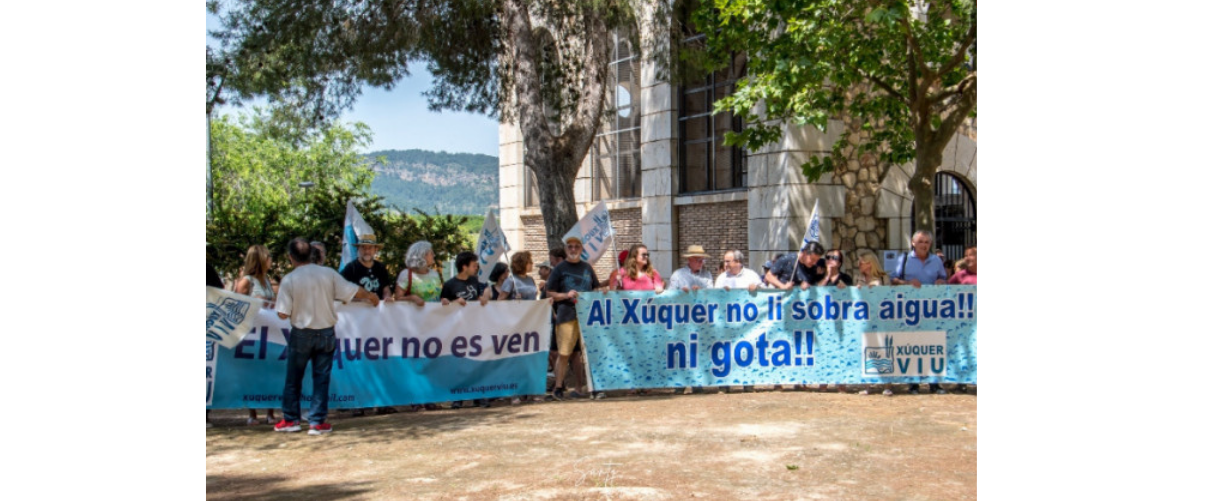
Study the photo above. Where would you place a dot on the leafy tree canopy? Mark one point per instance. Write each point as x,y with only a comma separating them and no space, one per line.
259,198
542,63
906,68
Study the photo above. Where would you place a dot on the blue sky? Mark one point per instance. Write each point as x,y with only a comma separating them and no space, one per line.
400,121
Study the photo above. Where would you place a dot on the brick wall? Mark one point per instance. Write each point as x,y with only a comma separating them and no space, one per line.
626,223
717,227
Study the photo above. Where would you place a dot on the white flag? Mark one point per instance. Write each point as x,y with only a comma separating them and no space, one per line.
813,232
491,246
353,228
229,316
595,231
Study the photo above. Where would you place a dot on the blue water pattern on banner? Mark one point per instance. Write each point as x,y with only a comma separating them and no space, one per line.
821,335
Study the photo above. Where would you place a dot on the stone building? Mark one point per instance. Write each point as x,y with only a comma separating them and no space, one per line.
668,181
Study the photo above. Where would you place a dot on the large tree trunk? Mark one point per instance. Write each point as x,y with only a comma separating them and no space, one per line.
928,160
555,159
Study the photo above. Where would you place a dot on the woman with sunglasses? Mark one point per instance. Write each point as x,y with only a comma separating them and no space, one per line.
833,274
640,275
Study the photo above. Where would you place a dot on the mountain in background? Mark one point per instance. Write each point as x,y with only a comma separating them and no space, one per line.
450,183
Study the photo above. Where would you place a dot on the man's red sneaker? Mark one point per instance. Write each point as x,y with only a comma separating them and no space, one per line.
288,426
320,429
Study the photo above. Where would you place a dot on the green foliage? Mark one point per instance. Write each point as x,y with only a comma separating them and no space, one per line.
257,171
907,71
538,62
316,56
472,227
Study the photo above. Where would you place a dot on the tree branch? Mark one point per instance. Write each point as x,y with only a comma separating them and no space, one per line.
919,60
962,107
964,45
957,88
886,88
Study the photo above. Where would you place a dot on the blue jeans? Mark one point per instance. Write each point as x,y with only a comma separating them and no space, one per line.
305,345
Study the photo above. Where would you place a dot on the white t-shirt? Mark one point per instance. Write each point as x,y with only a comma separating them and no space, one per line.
308,295
742,280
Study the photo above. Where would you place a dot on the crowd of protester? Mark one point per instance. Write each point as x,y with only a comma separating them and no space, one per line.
560,280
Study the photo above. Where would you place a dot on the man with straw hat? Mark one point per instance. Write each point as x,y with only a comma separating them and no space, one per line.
694,275
370,274
367,272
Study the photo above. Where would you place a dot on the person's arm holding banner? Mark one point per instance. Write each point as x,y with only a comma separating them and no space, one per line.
772,277
371,297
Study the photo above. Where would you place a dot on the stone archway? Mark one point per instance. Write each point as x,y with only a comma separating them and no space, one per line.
894,202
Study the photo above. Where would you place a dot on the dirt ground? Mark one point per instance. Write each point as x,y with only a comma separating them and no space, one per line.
759,445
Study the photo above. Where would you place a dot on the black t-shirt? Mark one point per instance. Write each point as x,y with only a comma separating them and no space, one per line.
841,277
812,275
373,279
568,276
456,288
212,278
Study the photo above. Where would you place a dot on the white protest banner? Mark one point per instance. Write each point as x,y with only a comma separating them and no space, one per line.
228,316
594,229
491,246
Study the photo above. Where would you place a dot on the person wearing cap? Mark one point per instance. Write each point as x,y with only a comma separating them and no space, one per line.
806,270
545,269
307,300
693,276
367,271
570,277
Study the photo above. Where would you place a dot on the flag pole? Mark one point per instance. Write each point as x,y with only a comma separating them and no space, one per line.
615,239
815,218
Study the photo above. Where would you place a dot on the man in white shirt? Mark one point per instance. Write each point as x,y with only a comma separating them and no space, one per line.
736,275
693,276
307,300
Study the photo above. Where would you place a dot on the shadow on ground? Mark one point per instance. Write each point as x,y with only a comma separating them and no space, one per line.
228,487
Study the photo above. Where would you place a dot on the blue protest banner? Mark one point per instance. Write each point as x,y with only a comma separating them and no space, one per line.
821,335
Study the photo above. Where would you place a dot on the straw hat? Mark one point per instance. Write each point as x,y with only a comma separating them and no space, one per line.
369,239
695,251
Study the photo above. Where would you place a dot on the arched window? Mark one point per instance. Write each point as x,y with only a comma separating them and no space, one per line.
953,215
616,152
